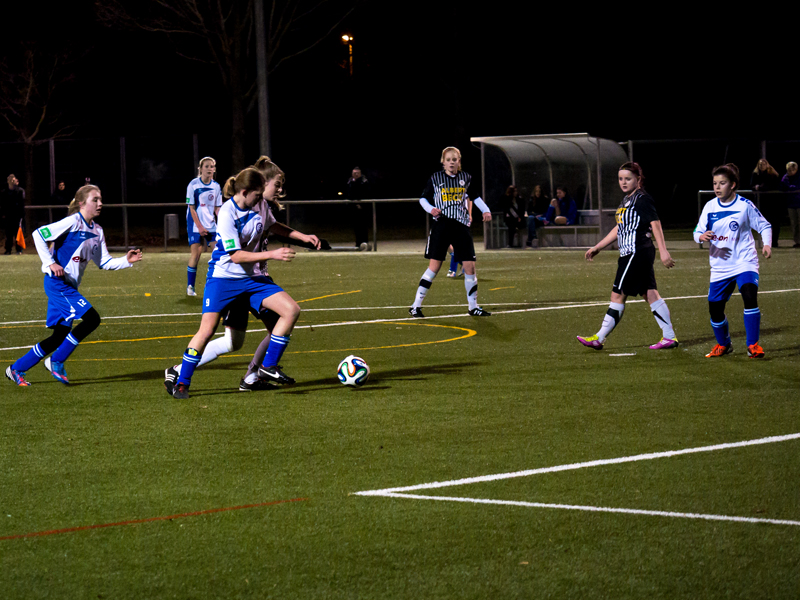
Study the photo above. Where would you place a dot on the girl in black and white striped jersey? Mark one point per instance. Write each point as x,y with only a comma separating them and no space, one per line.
448,191
637,225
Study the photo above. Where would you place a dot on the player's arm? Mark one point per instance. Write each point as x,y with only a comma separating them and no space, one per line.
701,232
658,238
610,238
285,231
762,226
43,237
485,211
109,263
243,257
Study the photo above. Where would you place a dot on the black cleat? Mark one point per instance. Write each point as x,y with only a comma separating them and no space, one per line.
274,375
416,312
180,391
257,386
170,377
479,312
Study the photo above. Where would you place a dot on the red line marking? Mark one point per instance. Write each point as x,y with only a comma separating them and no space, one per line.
148,520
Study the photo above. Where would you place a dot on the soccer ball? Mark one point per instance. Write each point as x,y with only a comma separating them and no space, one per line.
353,370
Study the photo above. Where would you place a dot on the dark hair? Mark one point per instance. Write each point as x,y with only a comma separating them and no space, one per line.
248,180
563,188
636,169
731,171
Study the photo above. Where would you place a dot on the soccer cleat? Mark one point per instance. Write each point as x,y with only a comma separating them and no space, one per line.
180,391
190,291
274,375
720,350
664,344
18,377
57,369
755,351
257,386
170,377
479,312
591,342
451,274
416,312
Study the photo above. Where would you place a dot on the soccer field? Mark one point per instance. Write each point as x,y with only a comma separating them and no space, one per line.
485,457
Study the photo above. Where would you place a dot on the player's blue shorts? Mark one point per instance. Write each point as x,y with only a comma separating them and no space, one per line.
196,238
721,290
64,302
219,292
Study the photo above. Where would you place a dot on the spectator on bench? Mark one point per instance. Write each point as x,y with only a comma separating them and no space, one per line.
562,209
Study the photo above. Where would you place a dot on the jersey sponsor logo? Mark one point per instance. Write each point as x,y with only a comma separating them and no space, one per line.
230,244
76,259
721,238
188,201
453,194
620,214
45,232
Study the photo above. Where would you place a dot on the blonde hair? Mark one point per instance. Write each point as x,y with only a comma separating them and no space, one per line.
80,198
248,180
270,170
204,159
791,165
10,179
451,149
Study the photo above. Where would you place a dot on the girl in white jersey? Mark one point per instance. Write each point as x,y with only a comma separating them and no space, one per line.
234,275
203,199
726,223
75,240
237,314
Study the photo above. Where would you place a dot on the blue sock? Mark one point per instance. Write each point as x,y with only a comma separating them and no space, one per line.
31,359
65,349
752,324
277,344
191,275
721,333
191,358
453,263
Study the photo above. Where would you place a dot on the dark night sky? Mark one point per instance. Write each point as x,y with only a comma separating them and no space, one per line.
431,74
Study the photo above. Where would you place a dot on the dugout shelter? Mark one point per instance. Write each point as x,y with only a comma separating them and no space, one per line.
586,165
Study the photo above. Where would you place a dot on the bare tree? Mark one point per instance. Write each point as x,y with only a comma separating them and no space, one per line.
222,32
32,76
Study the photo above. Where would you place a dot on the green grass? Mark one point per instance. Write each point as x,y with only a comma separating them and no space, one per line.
448,398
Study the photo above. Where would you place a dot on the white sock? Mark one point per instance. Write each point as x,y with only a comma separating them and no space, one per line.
424,286
661,314
613,316
471,285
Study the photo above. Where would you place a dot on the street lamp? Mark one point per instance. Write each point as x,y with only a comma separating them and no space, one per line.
348,39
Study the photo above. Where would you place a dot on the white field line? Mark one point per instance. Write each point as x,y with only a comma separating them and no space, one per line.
580,465
603,509
405,306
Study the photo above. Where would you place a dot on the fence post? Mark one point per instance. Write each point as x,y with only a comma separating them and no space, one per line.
123,175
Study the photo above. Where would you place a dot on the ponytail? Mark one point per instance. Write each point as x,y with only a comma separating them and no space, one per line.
270,170
248,180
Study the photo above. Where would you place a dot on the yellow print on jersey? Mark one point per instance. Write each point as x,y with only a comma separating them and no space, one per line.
620,213
454,194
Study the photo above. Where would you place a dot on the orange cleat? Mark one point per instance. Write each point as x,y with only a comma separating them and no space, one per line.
755,351
720,350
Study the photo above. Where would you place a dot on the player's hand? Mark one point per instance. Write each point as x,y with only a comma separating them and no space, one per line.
202,231
57,270
284,254
591,253
134,255
767,251
435,212
487,216
313,240
666,260
706,237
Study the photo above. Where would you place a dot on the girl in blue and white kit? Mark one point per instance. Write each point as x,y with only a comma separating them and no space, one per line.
236,275
76,240
726,223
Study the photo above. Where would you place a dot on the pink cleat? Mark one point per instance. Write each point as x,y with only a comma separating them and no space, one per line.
591,342
664,344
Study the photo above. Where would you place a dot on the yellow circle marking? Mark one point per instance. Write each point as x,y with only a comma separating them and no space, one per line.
468,333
